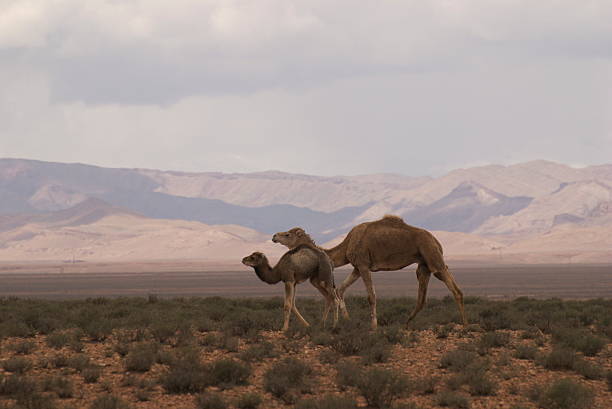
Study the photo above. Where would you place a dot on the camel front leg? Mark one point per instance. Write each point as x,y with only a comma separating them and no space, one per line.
289,292
295,310
366,275
447,277
423,275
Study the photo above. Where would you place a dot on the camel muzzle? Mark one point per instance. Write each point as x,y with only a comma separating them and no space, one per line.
274,239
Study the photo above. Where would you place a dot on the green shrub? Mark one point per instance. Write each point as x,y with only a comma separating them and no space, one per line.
286,377
79,362
249,400
566,394
141,357
15,328
60,361
16,386
91,374
60,385
524,351
494,318
481,384
163,331
227,373
328,402
443,331
348,374
22,347
376,353
329,356
380,387
109,402
452,400
17,365
394,333
560,359
57,339
457,360
259,352
185,375
98,330
493,339
210,400
348,343
588,369
426,385
580,340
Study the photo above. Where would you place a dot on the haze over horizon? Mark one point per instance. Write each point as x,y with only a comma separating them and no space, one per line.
320,88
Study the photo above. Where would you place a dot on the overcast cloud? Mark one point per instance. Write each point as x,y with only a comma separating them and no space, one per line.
319,87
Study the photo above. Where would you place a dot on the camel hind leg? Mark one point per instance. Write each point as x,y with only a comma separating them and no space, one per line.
348,281
447,278
330,299
423,275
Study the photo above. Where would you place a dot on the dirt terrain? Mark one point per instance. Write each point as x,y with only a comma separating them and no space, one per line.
497,281
228,353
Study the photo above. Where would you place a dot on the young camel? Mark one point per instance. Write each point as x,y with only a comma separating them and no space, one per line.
387,244
295,266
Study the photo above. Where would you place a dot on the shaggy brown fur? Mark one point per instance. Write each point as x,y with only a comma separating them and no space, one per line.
385,245
295,266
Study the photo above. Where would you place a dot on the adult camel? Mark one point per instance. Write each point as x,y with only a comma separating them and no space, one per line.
387,244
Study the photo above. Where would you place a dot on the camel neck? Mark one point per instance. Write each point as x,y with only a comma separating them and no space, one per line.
337,254
267,274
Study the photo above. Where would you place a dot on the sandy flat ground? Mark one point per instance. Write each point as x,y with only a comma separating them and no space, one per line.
195,278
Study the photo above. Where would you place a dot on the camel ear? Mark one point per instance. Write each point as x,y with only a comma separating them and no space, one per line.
299,232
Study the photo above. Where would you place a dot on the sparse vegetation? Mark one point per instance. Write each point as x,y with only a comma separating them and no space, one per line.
579,339
249,400
287,378
107,401
141,357
458,359
17,365
185,375
227,373
452,400
210,400
188,345
524,351
62,386
380,387
566,394
24,347
328,402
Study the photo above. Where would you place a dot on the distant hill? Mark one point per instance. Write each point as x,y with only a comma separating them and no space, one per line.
95,230
494,207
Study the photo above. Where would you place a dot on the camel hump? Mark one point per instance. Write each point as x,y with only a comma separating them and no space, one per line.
393,218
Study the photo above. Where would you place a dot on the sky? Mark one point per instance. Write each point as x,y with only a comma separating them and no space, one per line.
324,87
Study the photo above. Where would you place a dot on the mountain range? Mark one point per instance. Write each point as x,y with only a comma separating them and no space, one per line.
538,210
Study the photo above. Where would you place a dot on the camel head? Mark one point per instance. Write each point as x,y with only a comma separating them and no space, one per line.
291,238
255,259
